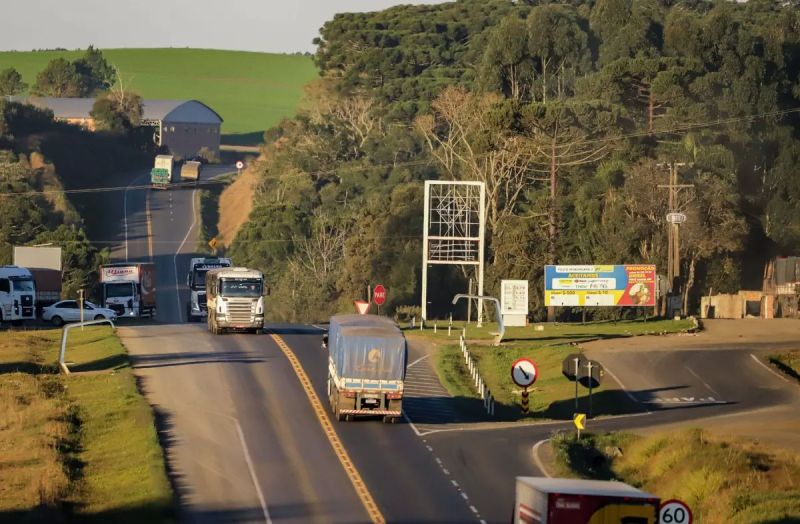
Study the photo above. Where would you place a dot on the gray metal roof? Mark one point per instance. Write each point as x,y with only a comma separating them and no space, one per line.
177,111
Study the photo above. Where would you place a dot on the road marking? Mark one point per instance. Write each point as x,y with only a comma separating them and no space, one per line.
175,258
125,213
253,473
349,468
474,509
149,226
464,496
628,393
537,460
413,427
770,369
417,361
701,380
454,483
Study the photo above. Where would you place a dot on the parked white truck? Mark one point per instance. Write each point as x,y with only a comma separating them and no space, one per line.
129,289
367,359
197,308
17,295
235,298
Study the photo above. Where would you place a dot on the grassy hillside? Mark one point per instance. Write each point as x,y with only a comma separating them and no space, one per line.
251,91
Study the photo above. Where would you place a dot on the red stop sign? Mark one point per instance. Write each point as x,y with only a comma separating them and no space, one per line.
379,295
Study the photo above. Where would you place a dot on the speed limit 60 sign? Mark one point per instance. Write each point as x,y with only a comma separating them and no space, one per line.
675,512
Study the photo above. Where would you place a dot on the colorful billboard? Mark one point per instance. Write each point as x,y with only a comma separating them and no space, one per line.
629,285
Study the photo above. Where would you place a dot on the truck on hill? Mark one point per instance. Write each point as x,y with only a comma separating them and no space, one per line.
235,300
197,308
129,289
574,501
367,359
17,295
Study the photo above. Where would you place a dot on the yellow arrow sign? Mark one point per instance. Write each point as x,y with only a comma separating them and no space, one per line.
580,420
213,243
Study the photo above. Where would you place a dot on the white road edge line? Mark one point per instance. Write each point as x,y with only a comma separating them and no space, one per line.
411,424
253,473
537,460
417,361
770,369
125,213
701,380
175,258
628,393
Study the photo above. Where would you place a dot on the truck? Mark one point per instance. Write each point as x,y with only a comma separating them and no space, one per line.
191,171
235,300
576,501
367,359
17,295
48,287
129,289
162,173
197,307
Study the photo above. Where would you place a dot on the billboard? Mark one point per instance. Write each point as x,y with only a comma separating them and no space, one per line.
43,257
627,285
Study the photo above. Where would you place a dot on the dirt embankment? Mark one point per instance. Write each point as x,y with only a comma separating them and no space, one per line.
235,205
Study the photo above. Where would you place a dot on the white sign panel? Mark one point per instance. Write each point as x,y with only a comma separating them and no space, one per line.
675,512
514,297
120,274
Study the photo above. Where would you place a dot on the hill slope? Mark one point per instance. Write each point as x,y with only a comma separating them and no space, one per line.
251,91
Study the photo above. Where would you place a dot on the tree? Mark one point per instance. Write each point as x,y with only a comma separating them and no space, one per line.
96,74
11,83
59,79
507,66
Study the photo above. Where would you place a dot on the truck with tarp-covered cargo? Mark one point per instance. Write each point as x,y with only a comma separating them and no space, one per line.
367,359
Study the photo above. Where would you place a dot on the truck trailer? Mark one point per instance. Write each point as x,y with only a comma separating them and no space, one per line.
17,295
48,287
162,173
129,289
191,171
235,300
367,359
574,501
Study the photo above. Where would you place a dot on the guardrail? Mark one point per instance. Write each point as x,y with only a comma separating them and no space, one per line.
64,333
480,384
498,336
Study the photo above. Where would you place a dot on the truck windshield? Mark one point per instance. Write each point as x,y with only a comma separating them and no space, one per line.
241,288
199,275
119,290
23,285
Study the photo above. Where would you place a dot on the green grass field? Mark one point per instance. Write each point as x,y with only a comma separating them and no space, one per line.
250,91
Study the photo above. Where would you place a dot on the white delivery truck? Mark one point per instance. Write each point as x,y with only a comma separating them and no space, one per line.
197,307
17,295
166,162
235,297
129,289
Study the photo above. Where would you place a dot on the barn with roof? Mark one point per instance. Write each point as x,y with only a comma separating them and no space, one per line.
184,126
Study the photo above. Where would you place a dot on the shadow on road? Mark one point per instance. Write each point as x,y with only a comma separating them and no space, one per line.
192,358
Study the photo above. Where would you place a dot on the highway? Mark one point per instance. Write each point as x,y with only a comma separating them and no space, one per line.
249,438
243,439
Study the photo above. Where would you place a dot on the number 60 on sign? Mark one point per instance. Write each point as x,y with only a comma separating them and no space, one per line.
675,512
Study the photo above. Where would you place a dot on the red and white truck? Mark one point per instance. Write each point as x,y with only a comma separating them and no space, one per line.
129,289
574,501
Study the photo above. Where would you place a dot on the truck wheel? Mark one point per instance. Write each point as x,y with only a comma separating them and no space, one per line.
351,418
258,331
387,419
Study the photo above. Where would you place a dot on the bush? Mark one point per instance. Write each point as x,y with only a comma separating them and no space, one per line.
208,155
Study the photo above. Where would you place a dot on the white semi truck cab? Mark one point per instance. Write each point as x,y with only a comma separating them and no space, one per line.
197,307
17,295
235,298
129,289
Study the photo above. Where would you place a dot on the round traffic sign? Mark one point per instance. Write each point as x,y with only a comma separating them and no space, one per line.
675,512
239,164
379,295
524,372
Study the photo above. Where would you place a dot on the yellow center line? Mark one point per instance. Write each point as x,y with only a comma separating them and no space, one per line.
149,225
349,468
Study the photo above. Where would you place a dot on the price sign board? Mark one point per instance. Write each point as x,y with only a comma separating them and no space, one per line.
675,512
626,285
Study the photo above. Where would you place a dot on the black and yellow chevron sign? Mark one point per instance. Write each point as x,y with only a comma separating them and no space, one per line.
525,403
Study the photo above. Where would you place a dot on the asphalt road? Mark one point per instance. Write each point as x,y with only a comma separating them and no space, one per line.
242,440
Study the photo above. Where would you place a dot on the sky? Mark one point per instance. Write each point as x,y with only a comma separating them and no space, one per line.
277,26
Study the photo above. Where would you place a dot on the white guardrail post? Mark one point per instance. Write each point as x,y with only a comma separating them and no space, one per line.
64,333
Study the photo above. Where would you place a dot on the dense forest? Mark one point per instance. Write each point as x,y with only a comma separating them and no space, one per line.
570,113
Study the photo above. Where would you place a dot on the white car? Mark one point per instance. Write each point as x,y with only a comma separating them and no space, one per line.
69,311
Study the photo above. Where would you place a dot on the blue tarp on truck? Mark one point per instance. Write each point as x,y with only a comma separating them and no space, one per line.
367,347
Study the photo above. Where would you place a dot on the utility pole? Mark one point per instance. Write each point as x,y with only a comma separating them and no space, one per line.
674,218
80,303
